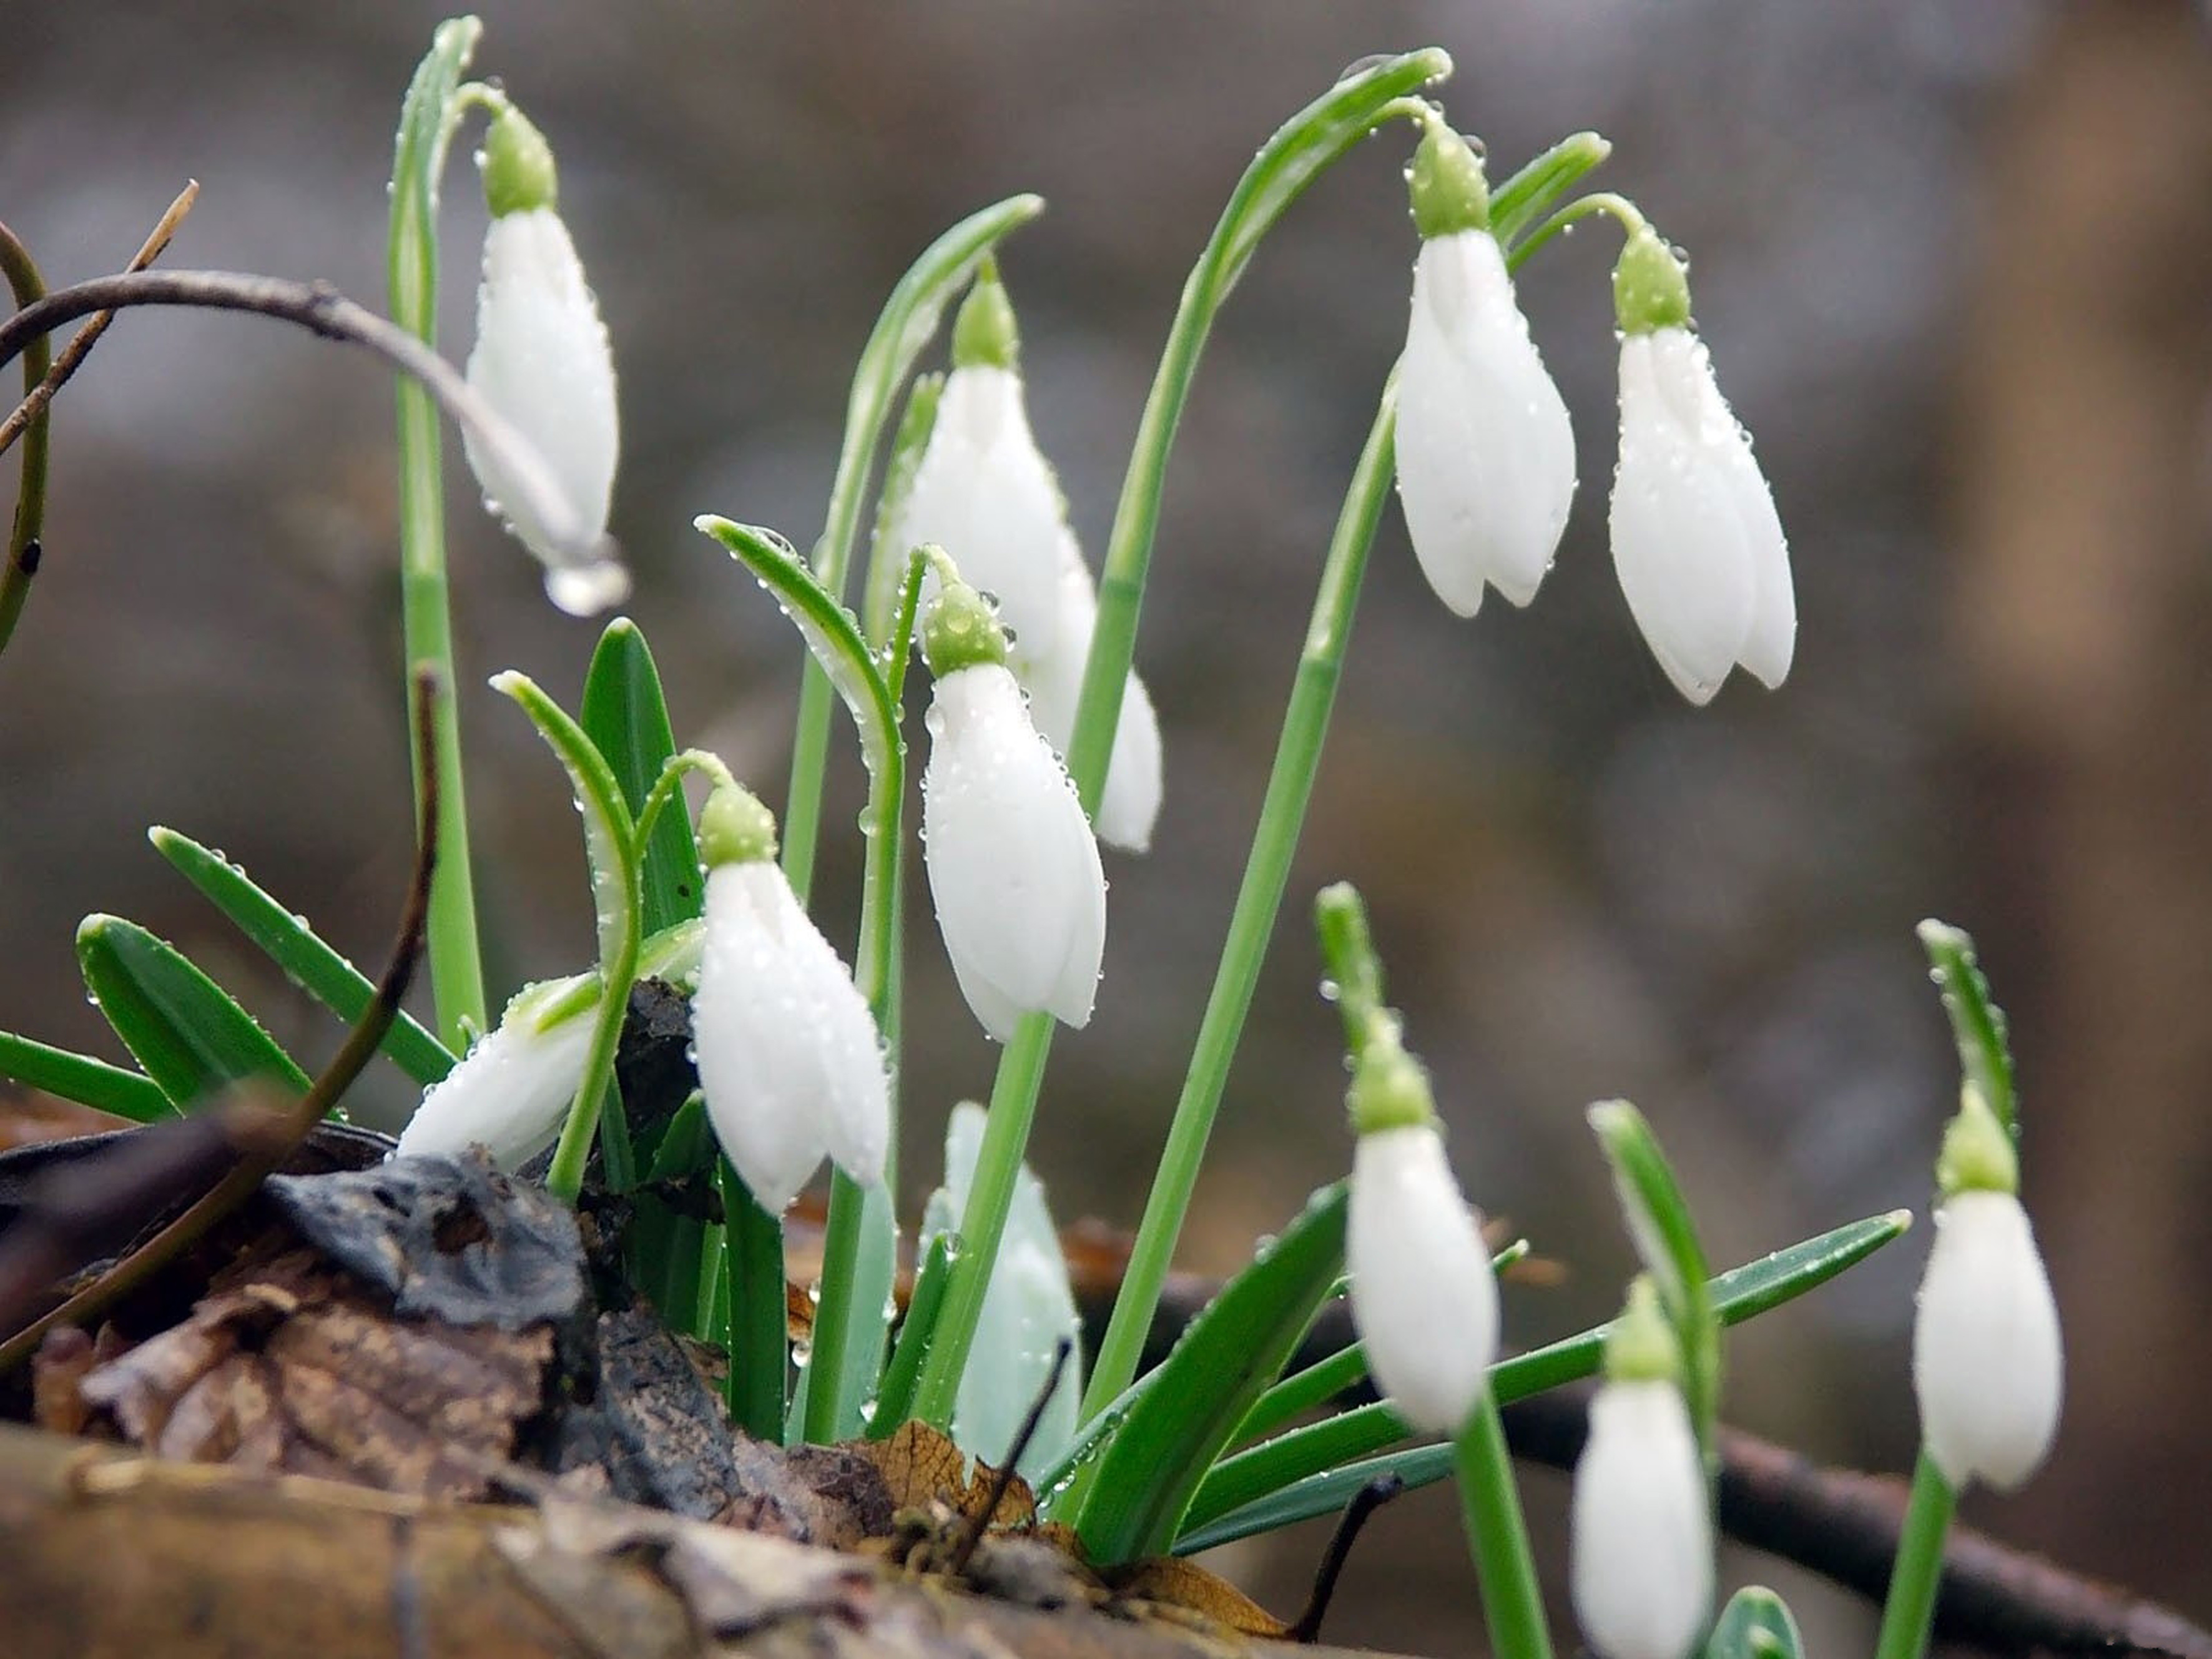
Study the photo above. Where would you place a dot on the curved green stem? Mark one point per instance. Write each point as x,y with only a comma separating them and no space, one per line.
1630,218
1512,1605
909,321
426,129
22,558
1909,1613
1258,900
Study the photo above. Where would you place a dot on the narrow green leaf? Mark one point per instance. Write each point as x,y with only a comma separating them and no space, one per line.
1755,1624
830,630
191,1038
895,1400
1223,1361
1666,1239
287,940
626,717
879,595
1298,1476
1979,1024
1529,193
80,1078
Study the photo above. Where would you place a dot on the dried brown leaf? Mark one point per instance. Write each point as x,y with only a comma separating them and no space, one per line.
920,1464
1171,1586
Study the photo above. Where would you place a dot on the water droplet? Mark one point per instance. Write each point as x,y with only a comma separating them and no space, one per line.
587,589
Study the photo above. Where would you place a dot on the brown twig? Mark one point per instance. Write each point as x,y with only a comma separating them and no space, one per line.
323,310
38,397
1356,1514
262,1141
23,548
1845,1525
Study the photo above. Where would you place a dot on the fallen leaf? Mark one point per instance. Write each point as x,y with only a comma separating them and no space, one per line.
1183,1589
920,1464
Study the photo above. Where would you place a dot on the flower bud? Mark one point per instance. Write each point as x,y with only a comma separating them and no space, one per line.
542,361
513,1091
789,1055
1697,544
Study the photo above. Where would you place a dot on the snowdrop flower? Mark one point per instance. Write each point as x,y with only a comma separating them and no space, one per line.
1642,1568
788,1056
1486,454
512,1091
1129,805
1013,865
541,360
1028,1308
1423,1295
983,490
1987,1365
1696,542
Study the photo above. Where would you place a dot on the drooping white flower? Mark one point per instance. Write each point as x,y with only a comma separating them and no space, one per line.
511,1091
1486,453
983,491
542,361
1988,1365
1028,1308
789,1059
1697,544
1423,1295
1642,1567
1129,805
1013,865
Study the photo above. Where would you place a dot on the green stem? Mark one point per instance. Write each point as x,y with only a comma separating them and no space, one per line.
22,555
1258,900
1512,1605
426,128
1629,215
758,1339
1909,1613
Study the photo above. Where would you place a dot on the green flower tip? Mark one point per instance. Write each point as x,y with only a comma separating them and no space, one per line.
1641,1346
734,828
960,630
517,165
1650,286
1389,1087
1977,1155
1446,184
983,334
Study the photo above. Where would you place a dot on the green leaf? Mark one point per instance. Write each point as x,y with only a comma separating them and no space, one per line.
626,717
427,117
830,632
885,563
1223,1361
1755,1624
1979,1024
1529,193
895,1400
1298,1476
80,1078
287,940
191,1038
1666,1240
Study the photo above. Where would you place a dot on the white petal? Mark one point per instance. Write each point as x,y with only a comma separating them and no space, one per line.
1486,452
1013,866
1642,1568
1129,806
542,360
1422,1293
1987,1364
1027,1307
761,1061
510,1093
1696,543
985,493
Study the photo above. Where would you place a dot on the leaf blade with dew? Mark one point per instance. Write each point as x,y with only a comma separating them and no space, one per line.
188,1033
1755,1624
1223,1361
1666,1239
832,634
81,1079
610,849
1978,1025
1298,1476
287,940
624,712
894,1399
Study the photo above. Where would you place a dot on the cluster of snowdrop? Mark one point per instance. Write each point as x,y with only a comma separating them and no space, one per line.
790,1058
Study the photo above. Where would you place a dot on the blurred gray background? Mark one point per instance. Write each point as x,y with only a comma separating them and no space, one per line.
1954,258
